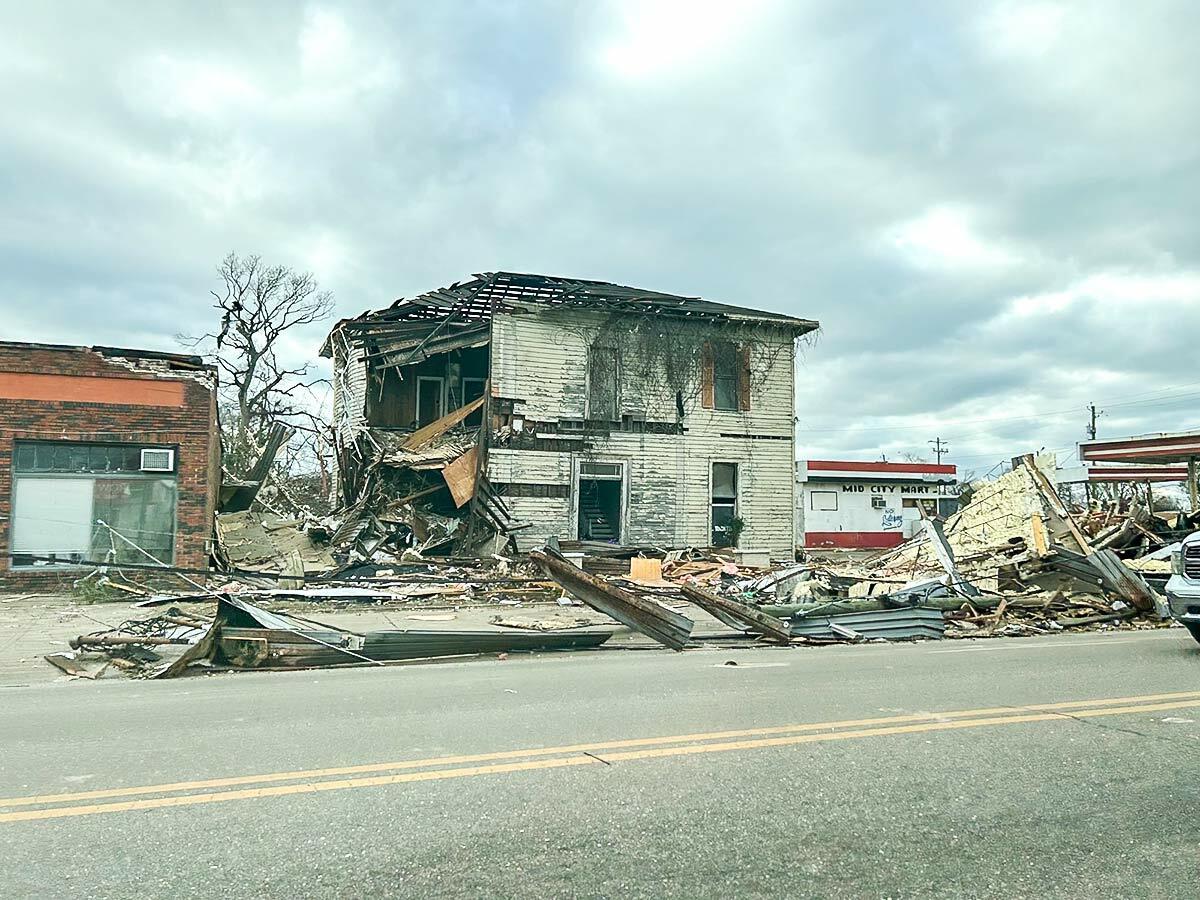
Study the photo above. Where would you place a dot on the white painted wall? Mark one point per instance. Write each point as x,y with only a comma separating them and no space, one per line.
540,360
855,510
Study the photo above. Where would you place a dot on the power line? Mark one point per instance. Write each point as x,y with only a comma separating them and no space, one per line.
1145,399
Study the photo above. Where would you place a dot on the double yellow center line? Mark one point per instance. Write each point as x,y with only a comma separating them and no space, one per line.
310,781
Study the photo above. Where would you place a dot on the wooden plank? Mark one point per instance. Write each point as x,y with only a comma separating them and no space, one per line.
434,430
707,381
1041,544
1130,585
646,616
293,567
1056,505
754,620
460,477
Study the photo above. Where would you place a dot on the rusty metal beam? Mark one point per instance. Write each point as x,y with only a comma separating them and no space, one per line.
123,640
646,616
753,619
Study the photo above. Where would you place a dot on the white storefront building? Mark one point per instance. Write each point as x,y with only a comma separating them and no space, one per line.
863,505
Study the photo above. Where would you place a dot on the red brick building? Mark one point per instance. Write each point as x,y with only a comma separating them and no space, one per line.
92,435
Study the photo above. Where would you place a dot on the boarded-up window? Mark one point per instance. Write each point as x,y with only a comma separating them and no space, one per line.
744,377
602,384
706,375
824,501
725,376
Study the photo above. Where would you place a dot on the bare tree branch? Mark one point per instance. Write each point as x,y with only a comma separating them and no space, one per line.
259,305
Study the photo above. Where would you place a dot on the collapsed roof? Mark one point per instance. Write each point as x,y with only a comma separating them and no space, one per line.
459,315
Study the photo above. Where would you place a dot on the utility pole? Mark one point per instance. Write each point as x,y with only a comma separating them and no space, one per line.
1091,430
939,447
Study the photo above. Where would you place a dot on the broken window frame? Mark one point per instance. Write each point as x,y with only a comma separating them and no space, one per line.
473,420
723,507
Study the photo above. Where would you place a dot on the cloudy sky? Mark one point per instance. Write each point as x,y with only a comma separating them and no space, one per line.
990,207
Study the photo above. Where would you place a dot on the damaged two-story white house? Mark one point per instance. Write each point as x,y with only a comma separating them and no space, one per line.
582,410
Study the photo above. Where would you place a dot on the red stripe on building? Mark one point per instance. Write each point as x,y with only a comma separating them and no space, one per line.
831,465
1140,443
853,540
1138,473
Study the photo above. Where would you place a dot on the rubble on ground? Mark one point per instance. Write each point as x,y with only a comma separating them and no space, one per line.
1013,561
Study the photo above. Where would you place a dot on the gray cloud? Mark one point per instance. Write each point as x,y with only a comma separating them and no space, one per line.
990,207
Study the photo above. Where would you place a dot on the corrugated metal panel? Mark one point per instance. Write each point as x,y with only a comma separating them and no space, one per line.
888,623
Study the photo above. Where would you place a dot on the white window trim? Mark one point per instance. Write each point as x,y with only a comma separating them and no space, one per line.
812,501
577,475
737,492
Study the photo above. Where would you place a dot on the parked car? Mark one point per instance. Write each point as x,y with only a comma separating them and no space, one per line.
1183,588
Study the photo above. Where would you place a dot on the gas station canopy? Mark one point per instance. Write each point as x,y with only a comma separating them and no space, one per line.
1156,449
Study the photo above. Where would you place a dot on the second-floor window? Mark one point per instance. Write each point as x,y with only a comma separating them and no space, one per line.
725,376
603,381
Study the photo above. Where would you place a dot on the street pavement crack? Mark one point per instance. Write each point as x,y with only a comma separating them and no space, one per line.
597,758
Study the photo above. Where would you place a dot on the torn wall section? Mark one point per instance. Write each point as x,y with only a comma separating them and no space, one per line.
656,431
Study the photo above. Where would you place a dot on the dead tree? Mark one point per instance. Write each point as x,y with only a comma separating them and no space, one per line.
259,306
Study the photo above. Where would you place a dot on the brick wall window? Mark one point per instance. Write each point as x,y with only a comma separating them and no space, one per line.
63,490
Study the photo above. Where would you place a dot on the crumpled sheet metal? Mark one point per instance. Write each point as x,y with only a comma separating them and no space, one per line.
243,635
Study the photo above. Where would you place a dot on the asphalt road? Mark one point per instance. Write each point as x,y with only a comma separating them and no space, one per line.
873,771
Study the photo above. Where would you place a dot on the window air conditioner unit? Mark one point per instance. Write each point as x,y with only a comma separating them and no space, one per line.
158,460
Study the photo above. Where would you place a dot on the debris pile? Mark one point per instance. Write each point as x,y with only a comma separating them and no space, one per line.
423,492
1013,561
241,635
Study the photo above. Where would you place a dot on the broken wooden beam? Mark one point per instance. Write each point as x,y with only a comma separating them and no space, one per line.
646,616
1123,580
436,429
749,618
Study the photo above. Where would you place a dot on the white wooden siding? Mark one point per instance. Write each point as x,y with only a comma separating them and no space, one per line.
349,390
540,360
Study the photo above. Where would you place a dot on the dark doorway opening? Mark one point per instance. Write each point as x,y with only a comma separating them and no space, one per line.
599,510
